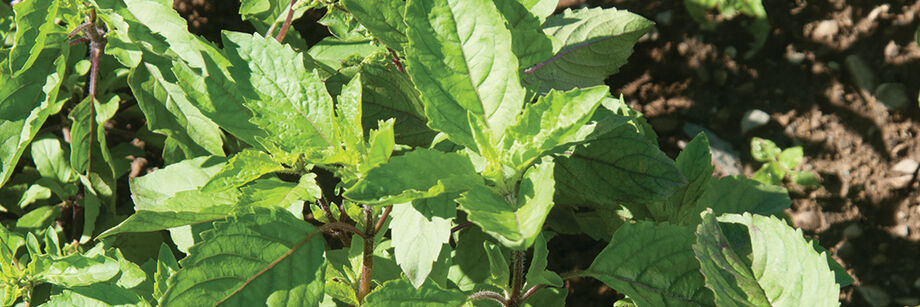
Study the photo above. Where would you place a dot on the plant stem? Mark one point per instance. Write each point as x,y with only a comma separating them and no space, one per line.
383,219
396,61
461,226
517,278
343,227
489,295
287,22
367,269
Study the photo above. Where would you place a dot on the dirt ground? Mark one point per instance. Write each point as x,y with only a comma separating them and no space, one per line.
817,77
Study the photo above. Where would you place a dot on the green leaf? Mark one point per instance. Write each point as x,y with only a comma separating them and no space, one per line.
50,159
168,110
270,11
498,265
528,42
782,269
33,195
764,150
267,256
162,19
695,163
34,23
419,229
791,157
389,93
653,264
537,274
76,269
334,52
38,218
547,297
26,102
516,225
618,166
293,107
274,192
771,173
459,56
96,295
384,19
804,178
420,173
401,293
244,167
595,43
738,194
166,267
185,208
470,265
554,120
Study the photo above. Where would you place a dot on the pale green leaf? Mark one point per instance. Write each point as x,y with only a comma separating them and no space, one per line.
34,23
383,18
293,107
50,159
459,56
553,120
153,189
96,295
595,43
185,208
166,267
76,269
348,114
38,218
773,265
654,265
764,150
269,11
791,157
26,102
418,174
804,178
33,195
517,224
334,52
401,293
419,229
245,166
266,256
162,19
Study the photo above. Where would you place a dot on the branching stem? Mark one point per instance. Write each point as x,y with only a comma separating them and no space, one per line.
367,269
287,22
481,295
383,219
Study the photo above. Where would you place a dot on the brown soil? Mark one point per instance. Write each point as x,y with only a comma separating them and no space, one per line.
682,74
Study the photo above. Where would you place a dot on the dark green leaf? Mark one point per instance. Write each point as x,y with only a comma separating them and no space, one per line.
384,19
401,293
738,194
528,41
695,163
267,256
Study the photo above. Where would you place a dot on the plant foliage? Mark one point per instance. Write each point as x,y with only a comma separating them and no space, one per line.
422,155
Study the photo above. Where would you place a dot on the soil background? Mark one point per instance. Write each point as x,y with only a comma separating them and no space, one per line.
816,77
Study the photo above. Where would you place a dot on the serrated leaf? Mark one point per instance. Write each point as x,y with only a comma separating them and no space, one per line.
96,295
554,120
50,160
653,264
76,269
26,102
166,267
515,225
244,167
168,110
738,194
615,167
401,293
459,56
348,114
595,43
267,256
384,19
782,269
293,107
34,23
162,19
695,163
420,173
419,229
277,193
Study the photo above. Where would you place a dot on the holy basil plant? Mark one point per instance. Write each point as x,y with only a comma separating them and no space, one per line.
422,155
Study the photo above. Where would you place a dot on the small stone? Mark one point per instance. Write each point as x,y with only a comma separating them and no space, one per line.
853,231
892,95
860,72
825,30
665,18
794,56
906,166
807,220
753,119
683,48
875,296
900,230
907,301
900,181
891,50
